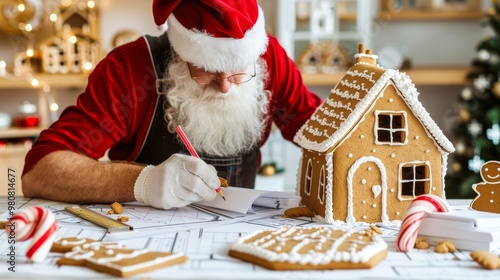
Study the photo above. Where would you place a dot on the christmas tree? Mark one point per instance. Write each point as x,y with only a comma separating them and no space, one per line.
477,131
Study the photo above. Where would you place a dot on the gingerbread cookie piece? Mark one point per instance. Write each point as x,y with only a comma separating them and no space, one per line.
486,259
116,208
112,258
300,211
307,248
223,182
488,192
3,224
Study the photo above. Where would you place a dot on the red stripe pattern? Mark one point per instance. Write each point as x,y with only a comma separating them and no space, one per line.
413,217
39,225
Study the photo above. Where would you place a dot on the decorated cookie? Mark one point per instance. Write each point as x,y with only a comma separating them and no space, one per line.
488,191
64,245
305,248
112,258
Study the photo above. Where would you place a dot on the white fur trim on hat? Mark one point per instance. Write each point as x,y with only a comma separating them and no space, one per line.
218,54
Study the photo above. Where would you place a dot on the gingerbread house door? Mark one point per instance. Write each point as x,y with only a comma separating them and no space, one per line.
367,191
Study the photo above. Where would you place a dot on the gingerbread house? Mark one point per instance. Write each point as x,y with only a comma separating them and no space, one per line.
75,46
370,148
323,57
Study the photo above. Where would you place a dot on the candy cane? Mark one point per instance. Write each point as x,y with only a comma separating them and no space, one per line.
39,225
413,217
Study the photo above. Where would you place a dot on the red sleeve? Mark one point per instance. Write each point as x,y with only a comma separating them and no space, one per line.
116,101
291,102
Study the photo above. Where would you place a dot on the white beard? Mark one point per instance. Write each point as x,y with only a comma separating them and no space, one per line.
217,124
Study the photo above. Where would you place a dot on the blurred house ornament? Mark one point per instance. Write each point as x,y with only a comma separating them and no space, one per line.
20,16
28,62
323,57
75,46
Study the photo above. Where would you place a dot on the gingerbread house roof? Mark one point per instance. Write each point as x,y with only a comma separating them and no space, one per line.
351,98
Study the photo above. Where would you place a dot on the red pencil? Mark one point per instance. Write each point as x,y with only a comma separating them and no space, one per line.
193,152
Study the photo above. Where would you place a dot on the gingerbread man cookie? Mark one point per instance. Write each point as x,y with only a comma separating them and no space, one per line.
488,198
112,257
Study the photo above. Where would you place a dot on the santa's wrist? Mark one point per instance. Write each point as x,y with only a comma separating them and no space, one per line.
141,183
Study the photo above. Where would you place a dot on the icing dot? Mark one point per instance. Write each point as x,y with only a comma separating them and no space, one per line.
492,192
491,200
416,137
364,216
433,188
393,155
364,201
361,136
397,213
392,190
374,205
350,155
391,100
374,150
363,181
427,151
369,168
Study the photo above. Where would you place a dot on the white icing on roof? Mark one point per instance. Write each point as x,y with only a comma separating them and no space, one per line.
342,110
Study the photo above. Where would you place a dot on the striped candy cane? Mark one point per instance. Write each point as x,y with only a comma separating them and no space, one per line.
39,225
413,217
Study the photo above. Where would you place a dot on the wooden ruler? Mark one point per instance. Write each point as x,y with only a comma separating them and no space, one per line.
98,219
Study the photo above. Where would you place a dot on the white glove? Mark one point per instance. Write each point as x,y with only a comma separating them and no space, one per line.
176,182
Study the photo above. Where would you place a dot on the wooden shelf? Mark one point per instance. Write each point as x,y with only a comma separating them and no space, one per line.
14,150
429,76
20,132
432,15
54,80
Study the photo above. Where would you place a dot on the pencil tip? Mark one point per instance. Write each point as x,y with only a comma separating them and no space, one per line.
224,198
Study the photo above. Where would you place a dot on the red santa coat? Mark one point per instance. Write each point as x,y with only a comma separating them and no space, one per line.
118,104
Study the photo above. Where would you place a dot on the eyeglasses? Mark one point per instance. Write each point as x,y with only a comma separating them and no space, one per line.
207,79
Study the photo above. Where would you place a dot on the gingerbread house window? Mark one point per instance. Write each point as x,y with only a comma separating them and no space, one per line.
390,128
414,179
322,185
308,179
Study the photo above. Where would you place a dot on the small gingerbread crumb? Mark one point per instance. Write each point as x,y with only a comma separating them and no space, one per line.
376,229
117,208
3,224
111,212
486,259
122,219
444,247
223,182
301,211
421,243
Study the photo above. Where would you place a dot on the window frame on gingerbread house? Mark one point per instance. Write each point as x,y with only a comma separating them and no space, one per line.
308,178
322,185
421,179
391,132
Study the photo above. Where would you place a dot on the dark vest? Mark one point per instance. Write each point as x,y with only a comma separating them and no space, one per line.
160,144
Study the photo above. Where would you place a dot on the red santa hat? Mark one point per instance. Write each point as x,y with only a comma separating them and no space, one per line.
217,35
